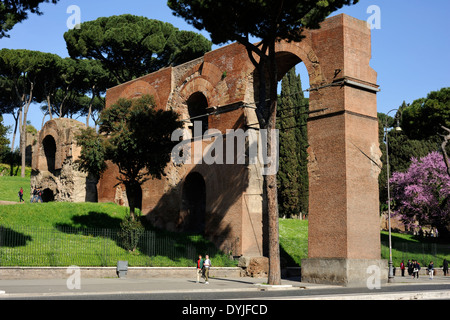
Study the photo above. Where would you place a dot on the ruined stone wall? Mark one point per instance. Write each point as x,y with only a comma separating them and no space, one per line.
54,170
234,192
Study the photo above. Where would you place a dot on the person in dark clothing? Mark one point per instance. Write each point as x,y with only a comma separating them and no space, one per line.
409,265
445,267
21,195
431,269
416,269
34,195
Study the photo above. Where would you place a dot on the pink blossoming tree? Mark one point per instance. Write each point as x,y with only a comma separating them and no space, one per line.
421,195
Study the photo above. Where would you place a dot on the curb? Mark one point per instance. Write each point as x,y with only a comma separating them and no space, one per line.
257,287
424,295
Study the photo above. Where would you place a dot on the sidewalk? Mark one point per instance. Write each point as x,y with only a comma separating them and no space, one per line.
57,287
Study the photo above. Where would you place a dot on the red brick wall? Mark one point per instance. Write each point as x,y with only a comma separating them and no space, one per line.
344,186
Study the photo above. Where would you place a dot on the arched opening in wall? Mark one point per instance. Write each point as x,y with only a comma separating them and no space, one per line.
197,105
194,203
49,146
292,117
48,196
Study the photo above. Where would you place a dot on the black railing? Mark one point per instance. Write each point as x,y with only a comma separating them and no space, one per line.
67,246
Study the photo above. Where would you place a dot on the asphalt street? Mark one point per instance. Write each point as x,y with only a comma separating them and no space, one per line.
403,288
222,298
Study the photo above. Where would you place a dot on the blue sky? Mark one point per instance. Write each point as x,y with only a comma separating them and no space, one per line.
410,51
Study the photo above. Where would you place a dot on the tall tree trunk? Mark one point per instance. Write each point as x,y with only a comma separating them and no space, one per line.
49,106
16,124
267,120
271,180
134,195
23,133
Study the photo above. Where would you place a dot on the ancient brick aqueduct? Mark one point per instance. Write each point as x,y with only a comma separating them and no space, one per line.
225,201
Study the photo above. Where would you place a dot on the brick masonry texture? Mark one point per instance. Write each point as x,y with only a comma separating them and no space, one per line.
343,133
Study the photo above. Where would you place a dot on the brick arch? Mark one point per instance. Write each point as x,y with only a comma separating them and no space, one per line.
49,131
140,88
307,55
208,89
343,137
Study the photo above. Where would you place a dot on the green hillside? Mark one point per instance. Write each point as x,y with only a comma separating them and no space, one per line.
10,186
57,232
86,234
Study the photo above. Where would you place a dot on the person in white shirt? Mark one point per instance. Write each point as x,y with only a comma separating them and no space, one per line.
207,265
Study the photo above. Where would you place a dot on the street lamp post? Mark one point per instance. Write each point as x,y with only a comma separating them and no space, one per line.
391,269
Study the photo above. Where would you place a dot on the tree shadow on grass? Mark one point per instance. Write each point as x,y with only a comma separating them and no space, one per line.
93,220
153,242
13,239
417,247
176,246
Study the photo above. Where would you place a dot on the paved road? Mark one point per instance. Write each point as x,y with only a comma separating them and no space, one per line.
222,298
218,288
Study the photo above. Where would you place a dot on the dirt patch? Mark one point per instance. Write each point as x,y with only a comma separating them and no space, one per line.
7,203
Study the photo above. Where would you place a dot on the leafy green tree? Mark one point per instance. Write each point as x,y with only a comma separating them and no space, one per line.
93,152
130,46
4,142
21,73
269,21
134,136
94,82
430,116
66,86
401,150
8,104
293,173
421,194
15,11
51,82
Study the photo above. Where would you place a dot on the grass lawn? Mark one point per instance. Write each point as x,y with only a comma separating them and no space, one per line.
294,246
10,186
407,246
76,230
85,234
293,241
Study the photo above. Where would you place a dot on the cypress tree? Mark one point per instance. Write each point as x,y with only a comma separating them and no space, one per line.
293,173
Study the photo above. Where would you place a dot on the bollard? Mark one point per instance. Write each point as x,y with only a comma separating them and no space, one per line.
122,269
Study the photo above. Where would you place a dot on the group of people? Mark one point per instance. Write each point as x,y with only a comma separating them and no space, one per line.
203,266
413,267
36,196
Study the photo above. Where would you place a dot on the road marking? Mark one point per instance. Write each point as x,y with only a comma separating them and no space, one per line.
423,295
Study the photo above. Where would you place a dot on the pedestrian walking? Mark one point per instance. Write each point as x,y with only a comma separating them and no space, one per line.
409,266
34,198
39,195
431,270
207,265
402,268
445,267
199,267
21,195
416,269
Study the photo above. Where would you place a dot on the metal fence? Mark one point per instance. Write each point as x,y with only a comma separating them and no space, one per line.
424,252
66,246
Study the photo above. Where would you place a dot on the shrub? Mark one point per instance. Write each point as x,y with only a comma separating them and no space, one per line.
130,232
